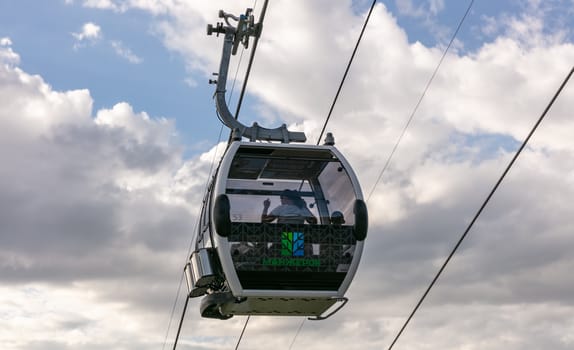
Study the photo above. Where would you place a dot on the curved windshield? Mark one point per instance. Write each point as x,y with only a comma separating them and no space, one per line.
290,186
292,218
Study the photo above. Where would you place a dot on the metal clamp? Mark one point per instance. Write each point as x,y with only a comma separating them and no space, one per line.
320,318
246,28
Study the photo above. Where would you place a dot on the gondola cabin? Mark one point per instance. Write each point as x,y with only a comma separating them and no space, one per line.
281,233
283,225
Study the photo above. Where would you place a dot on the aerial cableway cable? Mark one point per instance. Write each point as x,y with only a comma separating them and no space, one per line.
182,274
412,114
177,294
180,323
194,230
249,65
172,311
242,332
297,333
415,109
251,58
188,252
346,72
239,102
333,107
504,173
261,18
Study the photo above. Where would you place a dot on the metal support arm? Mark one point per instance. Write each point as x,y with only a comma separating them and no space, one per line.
254,132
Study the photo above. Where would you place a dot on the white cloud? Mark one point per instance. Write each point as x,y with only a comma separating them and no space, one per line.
540,23
153,6
102,203
489,26
406,7
83,195
124,52
69,315
423,9
89,34
90,31
7,55
434,185
436,6
101,4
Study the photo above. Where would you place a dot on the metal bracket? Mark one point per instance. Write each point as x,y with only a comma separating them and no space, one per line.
320,318
234,36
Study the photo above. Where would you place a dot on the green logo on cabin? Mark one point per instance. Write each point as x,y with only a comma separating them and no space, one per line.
292,244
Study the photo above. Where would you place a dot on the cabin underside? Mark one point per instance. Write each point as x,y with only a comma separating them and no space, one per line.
223,306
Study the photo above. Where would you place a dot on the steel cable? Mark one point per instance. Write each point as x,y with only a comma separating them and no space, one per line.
415,109
346,72
433,282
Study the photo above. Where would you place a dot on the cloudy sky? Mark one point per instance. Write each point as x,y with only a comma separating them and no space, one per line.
108,135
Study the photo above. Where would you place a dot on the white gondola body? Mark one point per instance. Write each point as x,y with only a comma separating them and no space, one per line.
277,268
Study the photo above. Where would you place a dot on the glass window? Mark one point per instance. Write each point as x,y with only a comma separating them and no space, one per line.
338,191
247,198
319,184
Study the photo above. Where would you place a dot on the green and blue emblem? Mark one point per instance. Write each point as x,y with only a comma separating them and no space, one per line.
292,244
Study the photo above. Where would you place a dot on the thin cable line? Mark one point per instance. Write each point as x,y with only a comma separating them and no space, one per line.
251,58
297,333
247,74
195,228
230,95
333,107
236,74
194,236
180,282
243,331
249,65
415,109
172,311
346,71
483,206
209,177
180,323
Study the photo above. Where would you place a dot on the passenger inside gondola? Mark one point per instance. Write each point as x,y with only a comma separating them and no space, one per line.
337,218
293,210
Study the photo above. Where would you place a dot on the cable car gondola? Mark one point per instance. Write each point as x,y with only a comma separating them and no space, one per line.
282,226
